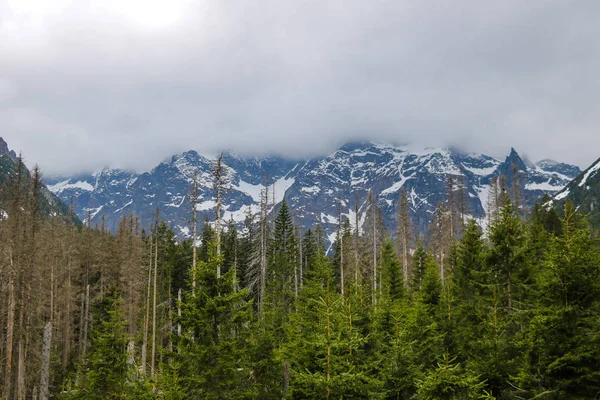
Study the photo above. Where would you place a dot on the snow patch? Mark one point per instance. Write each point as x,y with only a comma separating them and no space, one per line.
250,189
173,204
329,219
125,206
239,216
589,173
93,211
331,237
394,188
311,190
66,185
481,171
545,186
206,205
562,195
281,185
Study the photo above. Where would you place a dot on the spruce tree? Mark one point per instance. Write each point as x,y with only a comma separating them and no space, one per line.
215,335
449,380
283,271
507,254
563,345
328,351
469,285
106,373
393,282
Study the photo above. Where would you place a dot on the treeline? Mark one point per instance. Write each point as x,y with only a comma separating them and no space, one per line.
268,311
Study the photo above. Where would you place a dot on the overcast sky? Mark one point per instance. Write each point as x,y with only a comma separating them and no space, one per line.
129,82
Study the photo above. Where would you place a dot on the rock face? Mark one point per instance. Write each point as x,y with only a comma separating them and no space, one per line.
314,188
50,203
584,193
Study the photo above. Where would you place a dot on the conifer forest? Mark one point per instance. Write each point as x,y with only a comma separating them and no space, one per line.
271,310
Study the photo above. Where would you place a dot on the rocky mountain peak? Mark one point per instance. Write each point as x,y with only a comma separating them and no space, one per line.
5,150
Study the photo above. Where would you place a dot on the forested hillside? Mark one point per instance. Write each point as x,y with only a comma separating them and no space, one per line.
263,313
584,191
13,170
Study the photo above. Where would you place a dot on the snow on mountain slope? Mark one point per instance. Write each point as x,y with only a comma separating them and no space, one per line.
316,189
589,174
584,192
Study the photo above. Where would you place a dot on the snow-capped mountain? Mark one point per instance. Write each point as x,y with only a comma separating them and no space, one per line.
314,188
584,192
112,193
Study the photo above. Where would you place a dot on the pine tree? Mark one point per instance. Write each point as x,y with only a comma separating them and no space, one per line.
106,373
507,252
393,282
283,269
230,250
420,260
563,351
469,287
450,381
215,327
327,350
342,259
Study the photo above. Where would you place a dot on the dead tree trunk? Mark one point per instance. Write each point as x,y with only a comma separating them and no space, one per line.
195,230
153,357
10,329
45,373
147,312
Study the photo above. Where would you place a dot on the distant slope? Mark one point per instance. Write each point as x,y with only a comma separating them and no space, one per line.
584,193
314,188
51,204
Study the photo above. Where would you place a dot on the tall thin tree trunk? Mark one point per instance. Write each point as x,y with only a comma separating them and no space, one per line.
47,344
67,324
301,256
328,345
235,264
341,235
21,389
404,219
263,248
374,217
45,373
10,326
442,270
147,312
285,386
356,242
179,311
86,319
295,280
509,292
195,230
81,316
153,357
131,353
218,172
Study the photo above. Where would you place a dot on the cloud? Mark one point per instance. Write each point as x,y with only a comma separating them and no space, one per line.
127,83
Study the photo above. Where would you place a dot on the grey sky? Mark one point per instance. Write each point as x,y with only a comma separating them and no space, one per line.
129,82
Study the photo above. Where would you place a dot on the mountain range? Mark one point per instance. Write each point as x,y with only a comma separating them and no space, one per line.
318,190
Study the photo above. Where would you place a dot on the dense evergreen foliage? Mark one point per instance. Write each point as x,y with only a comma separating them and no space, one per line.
508,313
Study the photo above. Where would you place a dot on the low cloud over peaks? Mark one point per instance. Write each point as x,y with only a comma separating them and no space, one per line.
127,83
